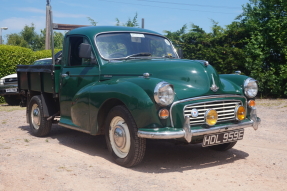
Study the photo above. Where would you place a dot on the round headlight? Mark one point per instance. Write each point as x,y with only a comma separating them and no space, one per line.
240,112
211,117
163,94
250,87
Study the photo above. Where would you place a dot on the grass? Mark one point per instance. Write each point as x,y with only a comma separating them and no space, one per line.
26,140
65,168
8,108
272,102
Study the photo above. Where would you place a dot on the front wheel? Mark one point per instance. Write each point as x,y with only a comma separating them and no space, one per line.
223,147
39,125
126,147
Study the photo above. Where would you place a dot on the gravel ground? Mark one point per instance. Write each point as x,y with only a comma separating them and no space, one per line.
71,160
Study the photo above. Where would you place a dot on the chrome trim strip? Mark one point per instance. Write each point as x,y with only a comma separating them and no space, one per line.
74,128
201,98
161,135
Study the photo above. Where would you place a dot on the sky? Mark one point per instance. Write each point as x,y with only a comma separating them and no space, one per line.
159,15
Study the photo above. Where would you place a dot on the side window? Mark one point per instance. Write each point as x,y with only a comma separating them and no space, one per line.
74,59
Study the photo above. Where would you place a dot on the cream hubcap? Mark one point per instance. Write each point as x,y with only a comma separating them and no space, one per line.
35,116
119,137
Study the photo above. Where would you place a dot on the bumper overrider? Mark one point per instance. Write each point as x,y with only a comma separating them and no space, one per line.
188,134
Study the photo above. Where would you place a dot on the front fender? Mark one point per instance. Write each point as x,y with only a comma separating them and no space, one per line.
136,94
235,79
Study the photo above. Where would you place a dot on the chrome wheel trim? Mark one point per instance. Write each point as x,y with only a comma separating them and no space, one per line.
35,116
119,137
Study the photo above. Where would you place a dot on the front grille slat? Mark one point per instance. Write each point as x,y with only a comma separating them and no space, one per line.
225,114
9,81
223,118
225,110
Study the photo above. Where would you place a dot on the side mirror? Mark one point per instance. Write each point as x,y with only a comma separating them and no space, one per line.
180,53
85,50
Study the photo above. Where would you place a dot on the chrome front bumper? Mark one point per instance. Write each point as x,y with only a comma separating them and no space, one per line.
187,133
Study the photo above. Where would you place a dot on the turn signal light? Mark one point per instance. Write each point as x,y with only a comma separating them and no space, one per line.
240,112
163,113
251,103
211,117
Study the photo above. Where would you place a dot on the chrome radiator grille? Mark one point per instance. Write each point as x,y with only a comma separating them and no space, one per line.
225,110
8,81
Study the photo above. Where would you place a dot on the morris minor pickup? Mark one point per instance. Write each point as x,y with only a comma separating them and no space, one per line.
130,85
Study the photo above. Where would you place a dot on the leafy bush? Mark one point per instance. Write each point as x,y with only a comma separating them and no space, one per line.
11,56
44,54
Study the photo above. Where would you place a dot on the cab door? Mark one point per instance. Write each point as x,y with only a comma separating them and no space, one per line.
78,74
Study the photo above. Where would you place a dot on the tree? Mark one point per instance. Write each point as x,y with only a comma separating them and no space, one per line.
254,43
16,40
221,47
129,23
92,21
266,51
58,40
28,38
176,37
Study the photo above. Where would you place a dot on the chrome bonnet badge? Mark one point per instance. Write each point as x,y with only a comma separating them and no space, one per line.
214,87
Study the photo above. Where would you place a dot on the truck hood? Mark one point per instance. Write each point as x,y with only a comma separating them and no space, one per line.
10,76
189,78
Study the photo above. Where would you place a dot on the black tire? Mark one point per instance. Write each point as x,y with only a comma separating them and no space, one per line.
12,100
223,147
126,148
39,125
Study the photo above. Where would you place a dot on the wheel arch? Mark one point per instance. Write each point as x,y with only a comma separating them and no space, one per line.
103,112
50,104
103,97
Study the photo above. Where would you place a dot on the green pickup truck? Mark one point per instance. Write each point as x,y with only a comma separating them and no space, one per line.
130,85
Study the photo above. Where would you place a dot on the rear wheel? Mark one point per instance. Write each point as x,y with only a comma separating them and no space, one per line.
39,125
126,148
223,147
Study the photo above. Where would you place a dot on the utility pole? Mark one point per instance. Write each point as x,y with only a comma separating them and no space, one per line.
142,23
48,26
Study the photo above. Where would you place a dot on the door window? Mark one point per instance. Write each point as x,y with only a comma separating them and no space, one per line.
74,48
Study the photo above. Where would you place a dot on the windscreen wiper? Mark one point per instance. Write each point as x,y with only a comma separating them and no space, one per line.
138,55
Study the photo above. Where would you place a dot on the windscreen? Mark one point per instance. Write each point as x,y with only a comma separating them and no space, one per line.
126,45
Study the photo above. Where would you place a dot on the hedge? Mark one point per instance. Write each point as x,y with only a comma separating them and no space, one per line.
11,56
44,54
